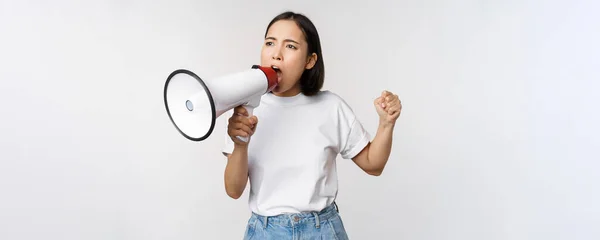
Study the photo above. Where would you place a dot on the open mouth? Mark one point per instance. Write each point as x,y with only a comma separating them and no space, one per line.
278,71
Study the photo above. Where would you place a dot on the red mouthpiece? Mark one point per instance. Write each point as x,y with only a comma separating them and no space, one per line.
271,76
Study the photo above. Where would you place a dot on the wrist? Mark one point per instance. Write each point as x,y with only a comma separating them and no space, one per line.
385,125
241,146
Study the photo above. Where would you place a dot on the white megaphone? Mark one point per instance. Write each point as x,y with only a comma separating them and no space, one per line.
193,104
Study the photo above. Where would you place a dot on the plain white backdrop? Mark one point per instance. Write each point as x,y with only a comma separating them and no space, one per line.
498,138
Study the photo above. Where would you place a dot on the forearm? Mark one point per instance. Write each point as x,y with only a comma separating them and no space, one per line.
381,147
236,172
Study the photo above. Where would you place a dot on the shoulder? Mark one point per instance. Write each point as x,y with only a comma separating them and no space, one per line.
330,97
335,103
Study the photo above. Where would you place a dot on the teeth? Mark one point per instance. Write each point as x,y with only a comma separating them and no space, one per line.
275,67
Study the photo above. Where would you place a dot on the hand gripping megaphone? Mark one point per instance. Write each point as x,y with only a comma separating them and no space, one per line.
194,104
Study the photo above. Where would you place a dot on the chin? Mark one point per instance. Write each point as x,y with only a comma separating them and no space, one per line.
278,89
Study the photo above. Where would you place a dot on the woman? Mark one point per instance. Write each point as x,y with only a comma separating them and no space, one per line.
290,157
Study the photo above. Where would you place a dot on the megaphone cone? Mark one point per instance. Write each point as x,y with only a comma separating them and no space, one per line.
194,104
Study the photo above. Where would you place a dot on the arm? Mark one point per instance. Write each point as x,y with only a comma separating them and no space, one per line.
373,158
236,171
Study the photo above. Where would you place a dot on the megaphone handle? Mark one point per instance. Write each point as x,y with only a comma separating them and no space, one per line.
250,110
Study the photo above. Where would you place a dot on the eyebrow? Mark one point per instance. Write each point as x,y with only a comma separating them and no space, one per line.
285,40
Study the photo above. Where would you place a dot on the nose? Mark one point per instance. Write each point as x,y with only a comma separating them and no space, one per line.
276,54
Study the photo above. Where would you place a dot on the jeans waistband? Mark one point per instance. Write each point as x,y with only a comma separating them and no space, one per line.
292,219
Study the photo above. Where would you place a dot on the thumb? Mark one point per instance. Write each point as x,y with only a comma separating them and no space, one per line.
379,102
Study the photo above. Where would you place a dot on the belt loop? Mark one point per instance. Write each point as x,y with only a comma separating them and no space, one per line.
317,219
336,207
266,218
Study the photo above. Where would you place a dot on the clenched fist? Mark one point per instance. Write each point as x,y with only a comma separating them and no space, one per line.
388,107
241,125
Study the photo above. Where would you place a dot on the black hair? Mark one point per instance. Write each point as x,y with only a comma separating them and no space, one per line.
312,79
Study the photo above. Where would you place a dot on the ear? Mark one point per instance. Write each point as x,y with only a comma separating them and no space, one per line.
311,61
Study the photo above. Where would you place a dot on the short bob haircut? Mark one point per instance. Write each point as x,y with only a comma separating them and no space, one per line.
312,79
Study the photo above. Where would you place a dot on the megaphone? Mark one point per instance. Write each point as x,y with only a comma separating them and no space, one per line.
194,104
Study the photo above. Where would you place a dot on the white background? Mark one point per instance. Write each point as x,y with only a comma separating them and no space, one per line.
498,138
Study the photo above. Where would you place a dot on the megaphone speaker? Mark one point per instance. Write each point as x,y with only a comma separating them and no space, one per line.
194,104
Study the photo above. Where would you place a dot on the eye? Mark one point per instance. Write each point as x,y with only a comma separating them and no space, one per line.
291,46
269,43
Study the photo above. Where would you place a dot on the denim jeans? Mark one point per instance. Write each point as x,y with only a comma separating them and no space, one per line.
326,224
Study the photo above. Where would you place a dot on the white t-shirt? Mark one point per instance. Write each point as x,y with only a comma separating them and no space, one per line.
291,156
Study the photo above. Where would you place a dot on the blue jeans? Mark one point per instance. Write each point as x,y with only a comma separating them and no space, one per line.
326,224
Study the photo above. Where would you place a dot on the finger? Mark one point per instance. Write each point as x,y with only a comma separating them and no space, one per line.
238,141
395,98
233,134
235,118
393,101
243,119
239,133
237,129
240,110
250,121
379,102
382,104
396,113
385,93
245,128
392,105
391,98
393,111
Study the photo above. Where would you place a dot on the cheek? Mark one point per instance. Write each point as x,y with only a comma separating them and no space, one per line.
296,64
265,54
263,58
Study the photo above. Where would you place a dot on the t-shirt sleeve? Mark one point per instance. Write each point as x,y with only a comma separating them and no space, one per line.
354,137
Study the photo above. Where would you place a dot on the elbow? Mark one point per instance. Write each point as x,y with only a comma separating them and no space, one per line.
375,172
234,196
232,193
